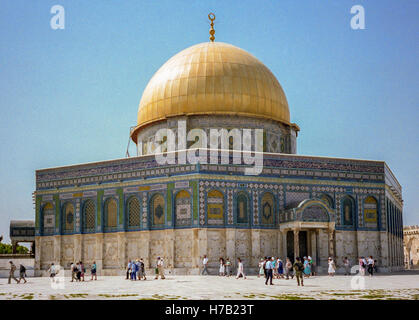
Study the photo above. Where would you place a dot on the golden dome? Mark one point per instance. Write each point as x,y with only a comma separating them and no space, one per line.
212,78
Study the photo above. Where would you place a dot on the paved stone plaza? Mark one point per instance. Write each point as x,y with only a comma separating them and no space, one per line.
384,287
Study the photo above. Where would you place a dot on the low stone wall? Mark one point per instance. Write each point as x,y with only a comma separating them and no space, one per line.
27,260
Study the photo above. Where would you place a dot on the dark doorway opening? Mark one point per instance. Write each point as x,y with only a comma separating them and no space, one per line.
290,245
302,239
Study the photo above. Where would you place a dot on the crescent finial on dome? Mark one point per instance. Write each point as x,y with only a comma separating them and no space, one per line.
211,16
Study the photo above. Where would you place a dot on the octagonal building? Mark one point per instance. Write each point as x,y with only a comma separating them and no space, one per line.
114,211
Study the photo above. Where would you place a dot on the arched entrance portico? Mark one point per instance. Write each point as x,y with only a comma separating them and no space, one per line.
309,230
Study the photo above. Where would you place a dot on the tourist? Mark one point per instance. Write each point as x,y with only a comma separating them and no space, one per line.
222,267
22,273
264,267
288,269
73,269
307,268
205,264
93,270
347,266
160,268
228,267
310,260
142,268
52,271
12,272
370,263
375,266
280,267
82,270
274,268
261,268
134,270
78,273
362,266
269,270
128,270
332,267
299,268
240,269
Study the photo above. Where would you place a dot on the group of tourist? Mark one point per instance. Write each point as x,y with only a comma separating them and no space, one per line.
78,271
135,269
22,273
271,267
225,268
367,264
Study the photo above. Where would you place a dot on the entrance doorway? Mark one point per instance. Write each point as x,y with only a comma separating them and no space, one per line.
303,246
290,245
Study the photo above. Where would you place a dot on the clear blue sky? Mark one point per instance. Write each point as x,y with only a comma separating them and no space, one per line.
69,96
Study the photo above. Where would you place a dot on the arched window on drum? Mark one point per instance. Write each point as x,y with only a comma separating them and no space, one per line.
183,214
157,209
111,214
267,209
327,199
242,208
370,212
348,211
133,208
48,219
68,217
89,216
215,207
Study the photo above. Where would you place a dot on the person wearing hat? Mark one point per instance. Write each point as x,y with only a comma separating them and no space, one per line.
12,272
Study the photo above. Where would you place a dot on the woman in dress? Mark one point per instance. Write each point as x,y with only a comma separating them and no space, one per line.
222,267
261,269
332,268
240,269
307,268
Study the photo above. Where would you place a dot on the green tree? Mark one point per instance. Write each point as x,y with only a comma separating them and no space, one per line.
7,249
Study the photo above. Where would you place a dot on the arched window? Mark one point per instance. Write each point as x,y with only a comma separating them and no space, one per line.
157,205
348,211
133,207
327,199
48,219
111,212
68,217
267,208
183,208
370,210
215,207
89,214
242,208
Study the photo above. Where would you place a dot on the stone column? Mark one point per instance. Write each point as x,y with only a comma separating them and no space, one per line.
256,249
121,249
313,238
296,243
57,250
231,245
331,235
170,248
99,252
38,247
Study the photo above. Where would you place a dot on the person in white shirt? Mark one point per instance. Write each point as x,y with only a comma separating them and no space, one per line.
205,264
73,272
269,271
370,264
240,269
52,272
